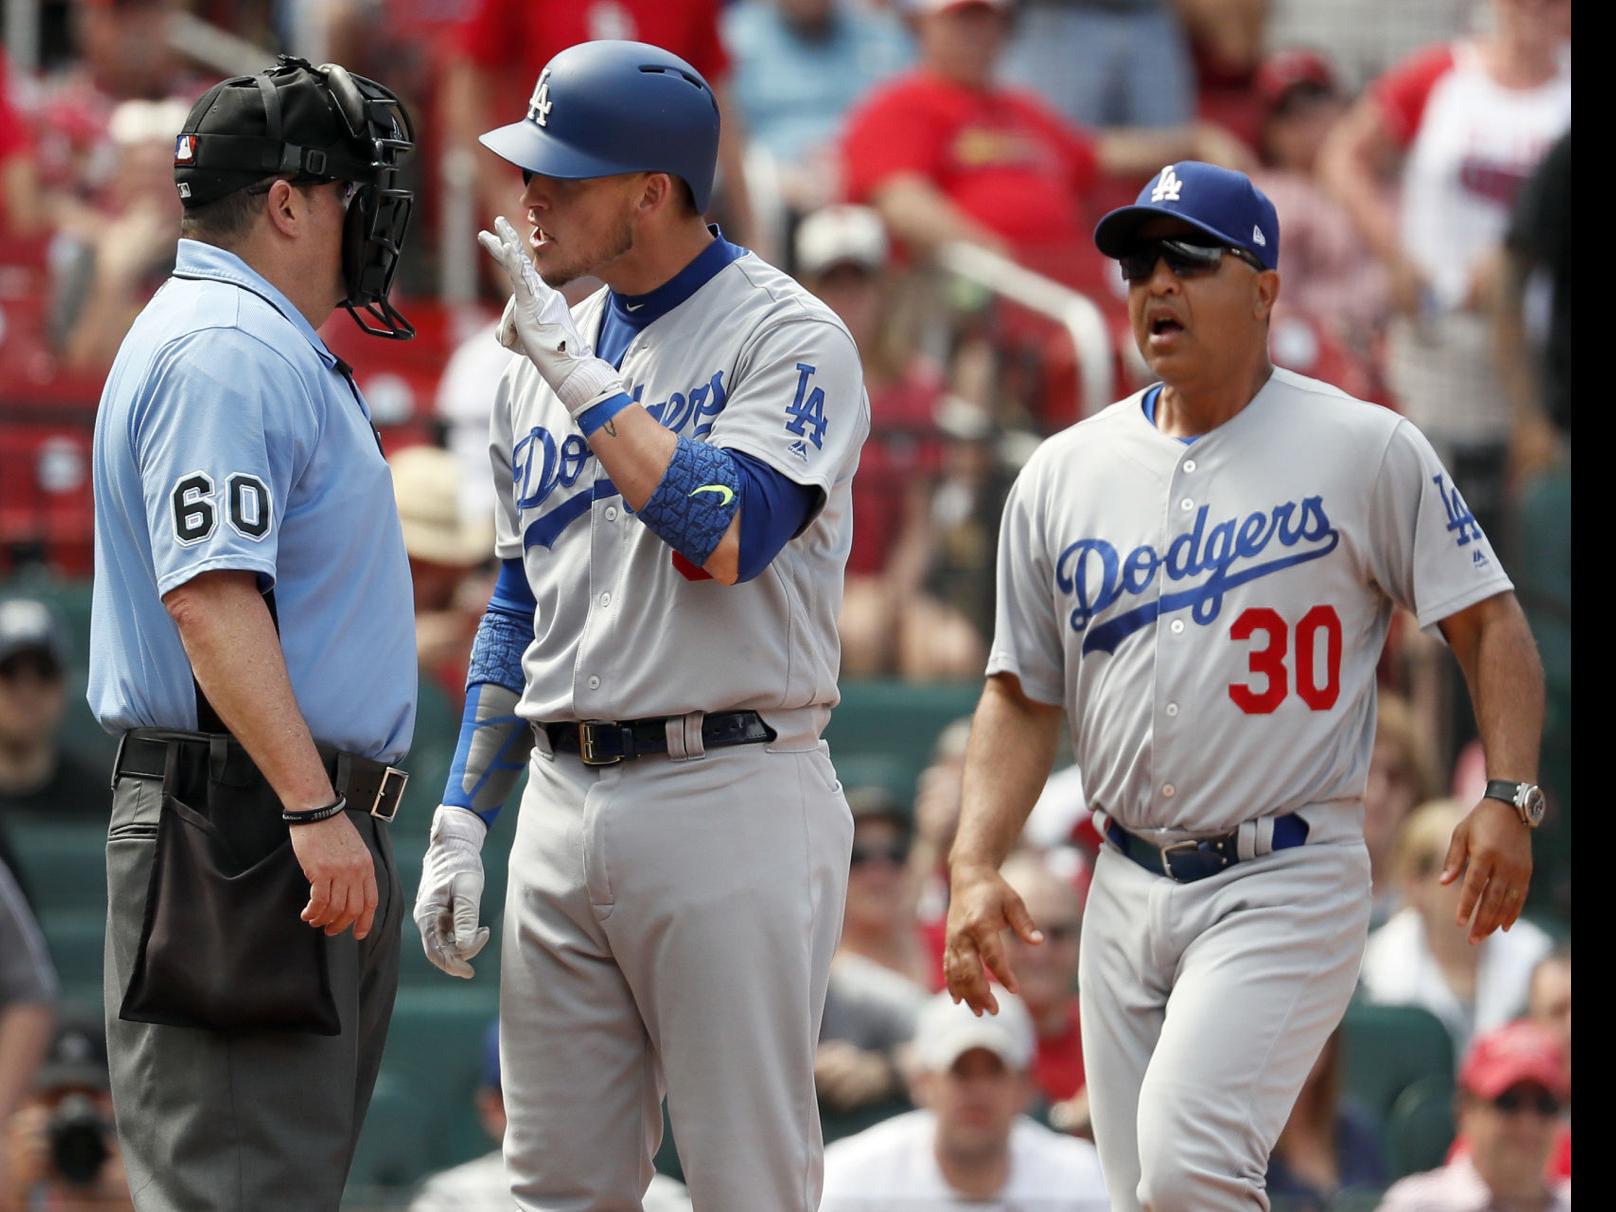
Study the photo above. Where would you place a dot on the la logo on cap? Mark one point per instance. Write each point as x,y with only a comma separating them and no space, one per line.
1167,186
538,108
184,149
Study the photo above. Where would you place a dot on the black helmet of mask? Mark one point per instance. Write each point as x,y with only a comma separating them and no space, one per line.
322,123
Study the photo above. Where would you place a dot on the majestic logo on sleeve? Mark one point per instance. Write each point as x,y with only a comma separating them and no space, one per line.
1215,560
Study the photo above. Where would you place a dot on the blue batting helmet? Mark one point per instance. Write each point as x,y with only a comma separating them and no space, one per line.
608,107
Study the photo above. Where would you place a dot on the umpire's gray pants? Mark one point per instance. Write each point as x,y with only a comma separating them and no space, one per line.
241,1123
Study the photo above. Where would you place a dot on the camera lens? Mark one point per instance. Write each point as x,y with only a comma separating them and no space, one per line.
78,1140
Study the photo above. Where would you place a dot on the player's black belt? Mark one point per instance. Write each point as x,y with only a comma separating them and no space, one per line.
1196,858
607,742
368,785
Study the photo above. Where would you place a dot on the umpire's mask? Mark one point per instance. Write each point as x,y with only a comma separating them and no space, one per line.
320,124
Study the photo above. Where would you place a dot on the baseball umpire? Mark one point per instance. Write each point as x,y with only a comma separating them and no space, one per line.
1202,576
252,643
672,461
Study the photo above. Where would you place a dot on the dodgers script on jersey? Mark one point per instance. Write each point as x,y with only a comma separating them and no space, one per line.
751,362
1222,604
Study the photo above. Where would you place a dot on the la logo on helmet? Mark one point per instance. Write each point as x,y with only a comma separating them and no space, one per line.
1167,187
539,106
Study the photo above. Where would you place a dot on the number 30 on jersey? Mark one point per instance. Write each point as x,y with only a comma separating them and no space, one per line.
1317,659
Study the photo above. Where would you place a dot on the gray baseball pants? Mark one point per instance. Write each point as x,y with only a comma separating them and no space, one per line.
668,927
1204,1007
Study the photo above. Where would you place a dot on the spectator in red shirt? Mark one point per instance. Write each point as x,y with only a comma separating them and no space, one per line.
888,624
504,44
945,153
1048,976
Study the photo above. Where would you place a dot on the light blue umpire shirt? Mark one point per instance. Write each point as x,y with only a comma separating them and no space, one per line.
228,436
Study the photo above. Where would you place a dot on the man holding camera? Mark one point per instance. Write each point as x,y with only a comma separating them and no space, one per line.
252,641
59,1147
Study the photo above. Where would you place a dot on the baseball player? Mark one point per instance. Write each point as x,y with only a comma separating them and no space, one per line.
1202,576
672,462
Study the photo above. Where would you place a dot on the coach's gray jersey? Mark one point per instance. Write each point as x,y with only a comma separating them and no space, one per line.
1210,615
751,362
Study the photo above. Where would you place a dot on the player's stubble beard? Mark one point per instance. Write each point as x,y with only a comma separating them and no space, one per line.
619,244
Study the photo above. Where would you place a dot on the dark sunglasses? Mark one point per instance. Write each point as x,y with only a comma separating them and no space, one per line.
1186,260
42,667
895,854
1511,1101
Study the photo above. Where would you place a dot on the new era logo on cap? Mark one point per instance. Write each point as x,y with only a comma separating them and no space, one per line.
1258,238
185,149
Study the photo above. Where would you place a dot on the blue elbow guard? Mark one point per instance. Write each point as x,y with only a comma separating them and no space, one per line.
496,653
696,501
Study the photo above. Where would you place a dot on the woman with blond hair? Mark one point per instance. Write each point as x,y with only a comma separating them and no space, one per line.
1417,958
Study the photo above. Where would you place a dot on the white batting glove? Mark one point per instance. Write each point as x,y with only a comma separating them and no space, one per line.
451,892
538,323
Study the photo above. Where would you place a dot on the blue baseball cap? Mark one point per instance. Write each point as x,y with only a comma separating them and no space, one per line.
1219,201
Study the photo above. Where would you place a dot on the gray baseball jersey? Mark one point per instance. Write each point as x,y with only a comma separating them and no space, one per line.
751,362
1210,614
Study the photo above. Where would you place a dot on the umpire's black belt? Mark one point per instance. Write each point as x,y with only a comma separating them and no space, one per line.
607,742
1196,858
367,785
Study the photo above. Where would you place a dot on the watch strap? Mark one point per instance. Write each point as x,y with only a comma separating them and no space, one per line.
1503,789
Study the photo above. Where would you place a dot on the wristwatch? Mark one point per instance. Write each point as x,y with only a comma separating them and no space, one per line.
1527,798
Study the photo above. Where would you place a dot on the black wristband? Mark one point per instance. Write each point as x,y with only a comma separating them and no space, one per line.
315,814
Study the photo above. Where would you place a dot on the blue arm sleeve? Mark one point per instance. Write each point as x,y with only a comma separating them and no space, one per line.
494,741
513,596
774,510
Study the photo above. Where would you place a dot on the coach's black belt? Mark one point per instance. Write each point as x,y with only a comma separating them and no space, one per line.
607,742
368,785
1196,858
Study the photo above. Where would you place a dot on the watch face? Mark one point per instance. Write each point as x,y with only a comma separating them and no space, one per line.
1534,806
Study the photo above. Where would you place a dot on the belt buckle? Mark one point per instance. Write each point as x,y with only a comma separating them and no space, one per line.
1167,853
389,794
588,751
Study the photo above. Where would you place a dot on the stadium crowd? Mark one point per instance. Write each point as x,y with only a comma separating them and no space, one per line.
1419,159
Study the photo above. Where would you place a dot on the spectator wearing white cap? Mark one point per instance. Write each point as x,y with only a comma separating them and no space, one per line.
889,623
970,1143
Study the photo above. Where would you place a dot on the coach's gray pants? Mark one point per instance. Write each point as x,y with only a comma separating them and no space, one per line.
246,1123
1204,1007
670,924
